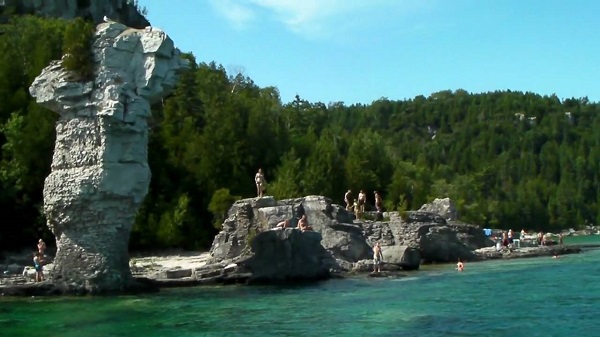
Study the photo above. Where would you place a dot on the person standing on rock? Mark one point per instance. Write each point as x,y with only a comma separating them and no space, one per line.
378,202
41,247
362,199
356,208
38,265
260,181
377,258
560,239
348,200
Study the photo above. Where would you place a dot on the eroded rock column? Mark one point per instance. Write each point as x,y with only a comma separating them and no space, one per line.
100,173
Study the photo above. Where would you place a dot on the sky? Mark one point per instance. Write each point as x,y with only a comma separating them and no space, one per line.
358,51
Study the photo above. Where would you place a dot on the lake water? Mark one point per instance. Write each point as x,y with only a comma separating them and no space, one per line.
526,297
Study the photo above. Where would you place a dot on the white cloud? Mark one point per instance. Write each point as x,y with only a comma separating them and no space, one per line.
239,14
312,18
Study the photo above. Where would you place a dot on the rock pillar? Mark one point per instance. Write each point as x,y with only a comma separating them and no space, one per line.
100,174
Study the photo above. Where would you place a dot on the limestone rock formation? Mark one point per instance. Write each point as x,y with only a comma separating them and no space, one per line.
99,174
287,255
405,240
123,11
444,207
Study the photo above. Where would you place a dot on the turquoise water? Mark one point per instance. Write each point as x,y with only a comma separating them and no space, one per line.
526,297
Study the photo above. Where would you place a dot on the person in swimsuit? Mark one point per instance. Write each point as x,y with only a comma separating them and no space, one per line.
284,224
378,202
41,247
260,181
460,266
377,258
362,199
356,208
39,269
303,224
348,200
560,239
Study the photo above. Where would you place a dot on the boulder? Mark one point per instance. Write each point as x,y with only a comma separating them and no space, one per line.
99,174
287,255
441,244
407,258
443,207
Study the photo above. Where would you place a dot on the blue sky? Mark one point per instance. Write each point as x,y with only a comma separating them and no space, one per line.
357,51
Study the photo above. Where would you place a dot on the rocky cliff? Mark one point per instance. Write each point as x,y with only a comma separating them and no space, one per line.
99,174
406,241
123,11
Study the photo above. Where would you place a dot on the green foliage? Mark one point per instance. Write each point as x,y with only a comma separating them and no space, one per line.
289,175
211,135
28,44
77,48
219,204
252,233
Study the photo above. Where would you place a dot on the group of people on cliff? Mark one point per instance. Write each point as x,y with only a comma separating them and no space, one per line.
358,205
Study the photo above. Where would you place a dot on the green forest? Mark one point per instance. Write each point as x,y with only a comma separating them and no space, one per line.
508,159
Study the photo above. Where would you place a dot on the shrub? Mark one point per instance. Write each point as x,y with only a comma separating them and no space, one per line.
219,204
77,48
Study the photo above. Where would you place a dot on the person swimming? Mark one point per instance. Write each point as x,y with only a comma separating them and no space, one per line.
460,265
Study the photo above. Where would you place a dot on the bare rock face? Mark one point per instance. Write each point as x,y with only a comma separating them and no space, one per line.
407,240
444,207
289,254
99,174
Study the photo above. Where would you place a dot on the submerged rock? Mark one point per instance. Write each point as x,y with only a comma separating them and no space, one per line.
99,174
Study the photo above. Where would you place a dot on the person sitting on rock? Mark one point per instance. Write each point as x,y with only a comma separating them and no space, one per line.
348,200
38,265
260,181
377,258
378,202
303,224
362,199
283,225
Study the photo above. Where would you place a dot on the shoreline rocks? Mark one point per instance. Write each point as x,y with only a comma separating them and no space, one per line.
407,240
249,250
150,272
